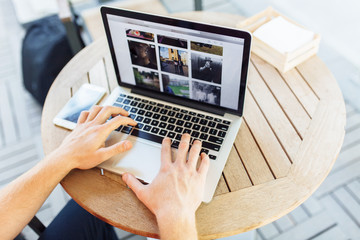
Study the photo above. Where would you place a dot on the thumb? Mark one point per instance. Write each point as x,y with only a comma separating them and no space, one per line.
133,183
115,149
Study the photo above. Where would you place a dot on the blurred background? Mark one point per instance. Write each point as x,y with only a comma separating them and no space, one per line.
332,212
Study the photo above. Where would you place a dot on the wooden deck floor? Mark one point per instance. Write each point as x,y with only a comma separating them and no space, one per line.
333,212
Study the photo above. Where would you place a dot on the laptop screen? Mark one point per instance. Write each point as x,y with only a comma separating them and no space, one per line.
175,60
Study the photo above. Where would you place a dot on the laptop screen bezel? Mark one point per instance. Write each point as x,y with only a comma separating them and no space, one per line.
246,36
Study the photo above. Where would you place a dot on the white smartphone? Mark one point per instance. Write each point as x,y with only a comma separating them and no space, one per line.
87,96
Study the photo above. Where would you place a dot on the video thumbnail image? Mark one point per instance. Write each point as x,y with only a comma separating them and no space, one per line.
140,35
176,42
147,79
143,54
207,48
206,68
174,61
175,86
206,93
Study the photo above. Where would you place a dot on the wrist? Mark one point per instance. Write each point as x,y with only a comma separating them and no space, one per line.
60,160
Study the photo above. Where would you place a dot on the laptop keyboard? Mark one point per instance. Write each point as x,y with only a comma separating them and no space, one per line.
157,120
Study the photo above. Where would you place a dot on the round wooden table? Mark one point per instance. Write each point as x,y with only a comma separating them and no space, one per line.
291,135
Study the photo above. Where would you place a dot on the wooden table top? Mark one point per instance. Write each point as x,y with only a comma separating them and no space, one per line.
292,132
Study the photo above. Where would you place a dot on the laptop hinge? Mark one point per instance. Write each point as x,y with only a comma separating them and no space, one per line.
179,101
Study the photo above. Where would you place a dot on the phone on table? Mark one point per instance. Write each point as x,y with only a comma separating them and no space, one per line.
87,96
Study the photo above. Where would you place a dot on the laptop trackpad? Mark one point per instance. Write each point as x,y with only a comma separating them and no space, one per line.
143,160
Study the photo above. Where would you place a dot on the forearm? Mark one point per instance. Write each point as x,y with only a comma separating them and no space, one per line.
21,199
177,227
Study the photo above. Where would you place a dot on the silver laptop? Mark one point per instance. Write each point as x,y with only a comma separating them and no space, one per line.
175,77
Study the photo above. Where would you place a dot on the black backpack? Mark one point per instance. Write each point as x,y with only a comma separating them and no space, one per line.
45,51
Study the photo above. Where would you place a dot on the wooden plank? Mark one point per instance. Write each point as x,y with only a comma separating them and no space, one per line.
235,173
287,100
349,204
301,89
342,219
110,72
273,113
16,148
18,159
309,228
266,139
221,187
9,130
251,156
312,206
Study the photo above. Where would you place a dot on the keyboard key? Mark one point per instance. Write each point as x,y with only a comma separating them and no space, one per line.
141,105
132,116
221,134
120,99
126,129
139,118
176,109
148,114
160,105
203,136
204,129
118,105
192,113
226,122
147,136
178,129
179,122
127,108
213,131
195,134
171,135
203,150
164,118
218,120
187,131
209,118
147,120
130,97
168,107
122,95
145,101
184,111
162,125
137,99
195,119
188,125
147,128
163,132
141,112
175,144
215,140
140,125
126,101
155,123
211,146
156,109
196,127
203,122
187,117
170,127
155,130
152,103
179,115
118,129
171,113
200,115
222,127
156,116
212,157
148,107
133,110
211,124
178,137
172,120
134,103
163,111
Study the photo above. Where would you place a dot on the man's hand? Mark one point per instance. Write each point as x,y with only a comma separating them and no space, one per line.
177,191
85,147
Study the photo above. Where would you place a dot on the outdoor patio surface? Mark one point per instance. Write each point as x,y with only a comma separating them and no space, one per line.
332,212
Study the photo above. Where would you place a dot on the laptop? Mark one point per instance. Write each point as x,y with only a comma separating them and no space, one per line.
175,77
